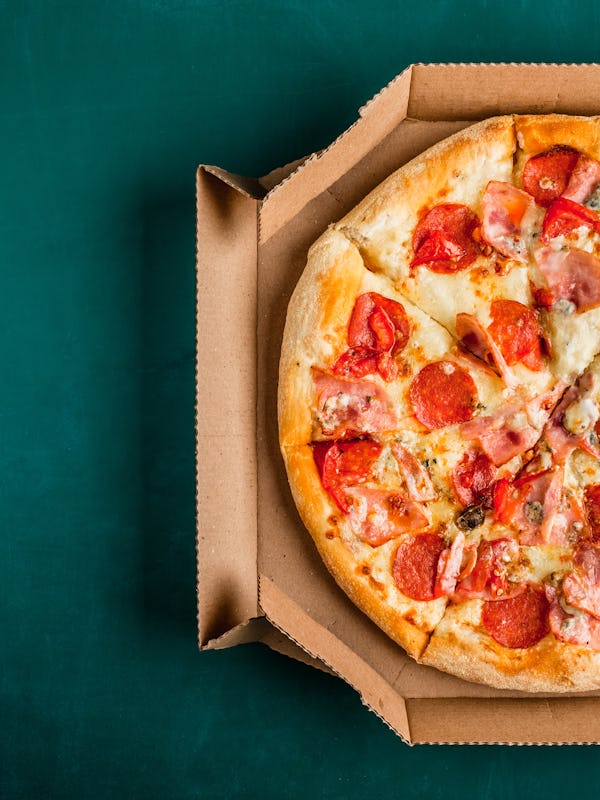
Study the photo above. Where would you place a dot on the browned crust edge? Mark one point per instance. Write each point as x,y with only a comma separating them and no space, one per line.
548,666
315,329
418,182
536,133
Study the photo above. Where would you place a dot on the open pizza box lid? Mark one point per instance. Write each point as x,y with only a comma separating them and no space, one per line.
259,576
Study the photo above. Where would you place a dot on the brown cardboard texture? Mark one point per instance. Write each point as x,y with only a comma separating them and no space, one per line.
255,559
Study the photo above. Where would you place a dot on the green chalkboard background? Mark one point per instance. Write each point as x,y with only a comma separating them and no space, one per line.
106,108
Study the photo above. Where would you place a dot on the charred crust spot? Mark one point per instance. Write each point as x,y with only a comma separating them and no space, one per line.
332,520
330,535
365,569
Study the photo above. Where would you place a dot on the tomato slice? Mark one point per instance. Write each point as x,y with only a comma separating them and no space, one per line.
564,216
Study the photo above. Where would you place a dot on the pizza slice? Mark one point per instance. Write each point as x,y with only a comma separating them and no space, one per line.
422,226
359,504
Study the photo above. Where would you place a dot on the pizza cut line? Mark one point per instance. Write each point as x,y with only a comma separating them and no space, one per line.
439,403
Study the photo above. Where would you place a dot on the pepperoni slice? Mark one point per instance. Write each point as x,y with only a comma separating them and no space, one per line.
415,565
592,510
472,479
519,621
443,238
378,323
516,330
443,393
564,216
343,464
546,176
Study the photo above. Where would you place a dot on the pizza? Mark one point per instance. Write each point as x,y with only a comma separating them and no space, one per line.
439,403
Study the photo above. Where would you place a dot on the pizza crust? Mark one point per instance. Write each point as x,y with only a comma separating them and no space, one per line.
460,645
382,224
316,326
536,133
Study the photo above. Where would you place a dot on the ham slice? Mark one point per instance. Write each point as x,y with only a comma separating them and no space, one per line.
417,480
544,492
350,407
577,410
582,586
514,429
504,207
532,505
476,338
584,180
449,567
572,275
377,515
578,628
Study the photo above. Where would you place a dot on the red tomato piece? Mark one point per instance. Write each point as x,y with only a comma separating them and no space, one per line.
564,216
399,318
472,479
378,323
488,576
383,329
343,464
360,333
356,362
592,510
443,238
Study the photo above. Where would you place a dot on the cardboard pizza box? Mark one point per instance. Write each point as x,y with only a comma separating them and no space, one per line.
259,575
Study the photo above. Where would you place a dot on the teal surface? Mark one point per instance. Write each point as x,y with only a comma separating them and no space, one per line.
106,109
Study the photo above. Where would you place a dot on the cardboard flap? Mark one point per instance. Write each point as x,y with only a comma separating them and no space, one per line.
377,120
375,692
476,91
244,633
250,187
226,402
